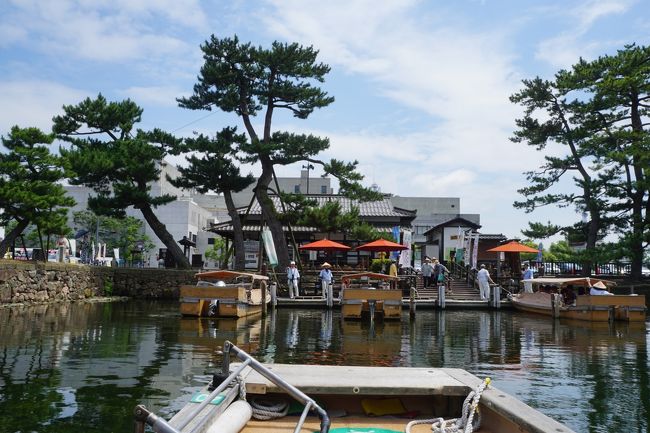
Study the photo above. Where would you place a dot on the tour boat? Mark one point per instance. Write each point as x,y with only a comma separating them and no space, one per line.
225,294
250,397
557,301
371,294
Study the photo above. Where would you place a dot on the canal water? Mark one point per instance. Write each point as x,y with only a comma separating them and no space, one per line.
84,367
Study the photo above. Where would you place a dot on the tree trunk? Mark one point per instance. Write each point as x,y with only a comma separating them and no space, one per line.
269,215
10,237
638,195
238,232
592,238
165,237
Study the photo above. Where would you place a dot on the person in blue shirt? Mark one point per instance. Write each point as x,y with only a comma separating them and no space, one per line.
528,275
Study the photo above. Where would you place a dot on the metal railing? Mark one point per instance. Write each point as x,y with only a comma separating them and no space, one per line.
144,417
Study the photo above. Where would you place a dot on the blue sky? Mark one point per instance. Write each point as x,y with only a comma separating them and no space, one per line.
421,87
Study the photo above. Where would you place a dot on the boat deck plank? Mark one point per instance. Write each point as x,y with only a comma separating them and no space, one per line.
365,380
312,424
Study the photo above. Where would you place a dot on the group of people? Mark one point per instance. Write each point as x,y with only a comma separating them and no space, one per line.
433,272
325,278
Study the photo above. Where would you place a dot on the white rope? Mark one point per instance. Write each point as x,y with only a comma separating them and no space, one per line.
466,423
266,410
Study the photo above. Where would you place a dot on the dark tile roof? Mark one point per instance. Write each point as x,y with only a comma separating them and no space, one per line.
454,221
379,208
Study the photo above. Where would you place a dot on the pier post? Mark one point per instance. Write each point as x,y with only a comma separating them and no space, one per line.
330,295
441,296
264,295
555,305
412,302
274,294
496,297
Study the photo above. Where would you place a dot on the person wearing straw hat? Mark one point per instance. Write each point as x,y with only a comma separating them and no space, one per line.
293,276
599,289
325,277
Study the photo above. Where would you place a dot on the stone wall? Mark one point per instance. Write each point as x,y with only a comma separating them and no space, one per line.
34,283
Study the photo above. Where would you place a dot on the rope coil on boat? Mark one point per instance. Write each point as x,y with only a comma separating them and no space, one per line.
466,423
265,410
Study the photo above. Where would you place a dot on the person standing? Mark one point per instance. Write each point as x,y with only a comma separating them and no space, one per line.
528,275
325,277
427,271
392,270
439,272
484,280
293,276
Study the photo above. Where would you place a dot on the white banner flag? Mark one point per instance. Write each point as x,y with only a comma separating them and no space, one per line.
475,252
405,256
466,248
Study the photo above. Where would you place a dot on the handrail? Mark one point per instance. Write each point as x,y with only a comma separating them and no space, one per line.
159,425
301,397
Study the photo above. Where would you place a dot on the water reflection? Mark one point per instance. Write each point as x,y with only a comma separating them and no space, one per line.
84,367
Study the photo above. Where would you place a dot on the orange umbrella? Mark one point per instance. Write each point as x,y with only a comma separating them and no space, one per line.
382,245
513,247
324,245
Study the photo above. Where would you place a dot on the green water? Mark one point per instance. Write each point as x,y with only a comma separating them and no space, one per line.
84,367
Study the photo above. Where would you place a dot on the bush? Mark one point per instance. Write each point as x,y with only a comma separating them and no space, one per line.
377,264
108,287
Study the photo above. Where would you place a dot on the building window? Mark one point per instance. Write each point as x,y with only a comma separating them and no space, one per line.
296,189
210,241
323,189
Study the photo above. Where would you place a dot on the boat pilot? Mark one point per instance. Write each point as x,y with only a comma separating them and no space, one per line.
599,289
293,277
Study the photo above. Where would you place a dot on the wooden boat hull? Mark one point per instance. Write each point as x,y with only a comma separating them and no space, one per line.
355,396
232,301
356,303
587,307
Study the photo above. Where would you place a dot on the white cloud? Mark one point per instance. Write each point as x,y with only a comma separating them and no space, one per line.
158,95
107,30
33,103
568,47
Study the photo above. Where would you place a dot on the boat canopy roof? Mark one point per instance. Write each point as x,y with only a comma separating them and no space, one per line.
369,275
576,281
228,275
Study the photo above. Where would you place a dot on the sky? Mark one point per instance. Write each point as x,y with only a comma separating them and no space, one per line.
421,88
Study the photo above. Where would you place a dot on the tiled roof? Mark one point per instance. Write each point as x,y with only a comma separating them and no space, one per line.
379,208
226,227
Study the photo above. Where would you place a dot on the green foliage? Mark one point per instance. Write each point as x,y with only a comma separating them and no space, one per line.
212,163
217,252
30,188
108,287
376,265
108,156
366,232
117,161
238,77
122,233
330,218
599,110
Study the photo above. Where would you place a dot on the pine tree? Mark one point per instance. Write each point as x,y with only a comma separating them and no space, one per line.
30,188
247,80
119,163
212,168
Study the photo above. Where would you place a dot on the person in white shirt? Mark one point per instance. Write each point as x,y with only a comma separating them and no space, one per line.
325,277
484,280
528,275
293,277
427,271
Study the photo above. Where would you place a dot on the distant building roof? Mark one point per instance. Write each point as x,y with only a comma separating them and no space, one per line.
456,221
379,208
